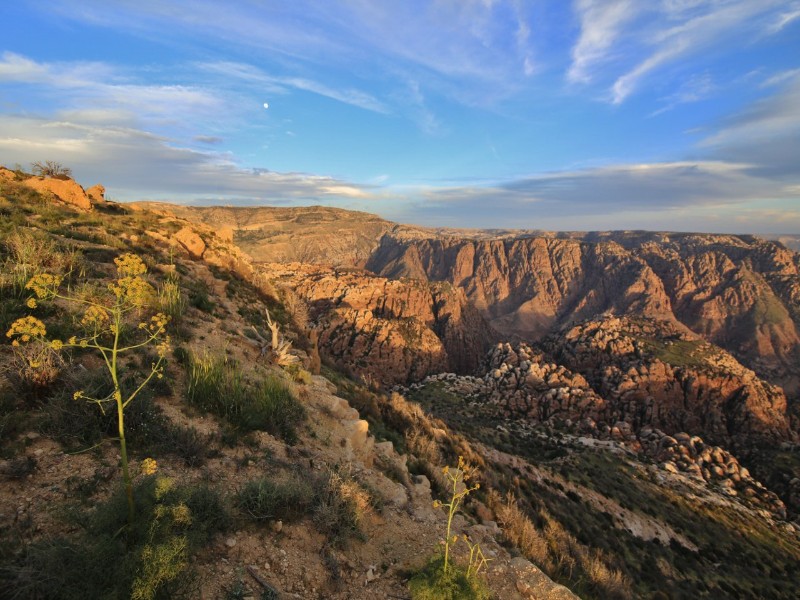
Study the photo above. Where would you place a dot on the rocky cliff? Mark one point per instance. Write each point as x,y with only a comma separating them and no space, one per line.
739,292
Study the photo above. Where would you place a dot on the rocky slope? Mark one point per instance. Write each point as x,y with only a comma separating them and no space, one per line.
739,292
60,531
608,454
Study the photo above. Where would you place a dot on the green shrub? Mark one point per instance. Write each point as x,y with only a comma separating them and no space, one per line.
433,584
285,500
273,408
199,298
107,559
171,300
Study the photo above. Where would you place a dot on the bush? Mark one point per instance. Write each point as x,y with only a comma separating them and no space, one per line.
50,168
107,560
341,505
171,300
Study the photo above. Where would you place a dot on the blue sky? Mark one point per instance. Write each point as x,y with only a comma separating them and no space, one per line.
548,114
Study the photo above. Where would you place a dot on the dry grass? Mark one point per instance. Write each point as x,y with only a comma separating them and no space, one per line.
519,530
557,551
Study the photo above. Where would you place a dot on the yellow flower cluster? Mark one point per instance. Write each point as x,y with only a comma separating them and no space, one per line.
133,290
158,321
44,285
163,347
130,265
149,466
94,316
26,329
56,345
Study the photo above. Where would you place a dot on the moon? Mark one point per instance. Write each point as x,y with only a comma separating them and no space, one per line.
266,105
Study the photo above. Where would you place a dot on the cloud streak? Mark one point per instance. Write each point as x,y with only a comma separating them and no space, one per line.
663,33
602,23
279,84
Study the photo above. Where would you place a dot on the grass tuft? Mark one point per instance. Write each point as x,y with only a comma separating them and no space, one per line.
218,385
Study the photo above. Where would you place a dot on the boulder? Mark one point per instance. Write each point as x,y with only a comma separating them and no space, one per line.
194,244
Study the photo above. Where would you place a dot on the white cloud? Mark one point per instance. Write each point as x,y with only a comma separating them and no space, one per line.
133,164
100,90
785,18
630,41
464,42
767,120
681,196
602,23
695,88
694,31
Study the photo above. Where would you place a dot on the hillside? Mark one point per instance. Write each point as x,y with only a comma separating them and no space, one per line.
273,234
621,451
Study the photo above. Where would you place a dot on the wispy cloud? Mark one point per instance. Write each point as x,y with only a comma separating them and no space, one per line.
464,43
663,195
791,14
602,23
767,119
279,84
694,89
699,26
101,89
662,33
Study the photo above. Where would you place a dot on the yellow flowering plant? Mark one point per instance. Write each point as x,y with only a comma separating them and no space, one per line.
103,322
440,579
459,489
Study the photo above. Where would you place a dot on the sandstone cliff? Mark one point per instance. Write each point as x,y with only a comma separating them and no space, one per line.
739,292
383,330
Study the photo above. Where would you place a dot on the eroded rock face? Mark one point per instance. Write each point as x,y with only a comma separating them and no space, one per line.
739,292
387,331
66,190
526,287
743,295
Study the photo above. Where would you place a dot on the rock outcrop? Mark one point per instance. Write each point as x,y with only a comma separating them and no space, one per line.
387,331
97,194
191,241
65,190
684,453
652,373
